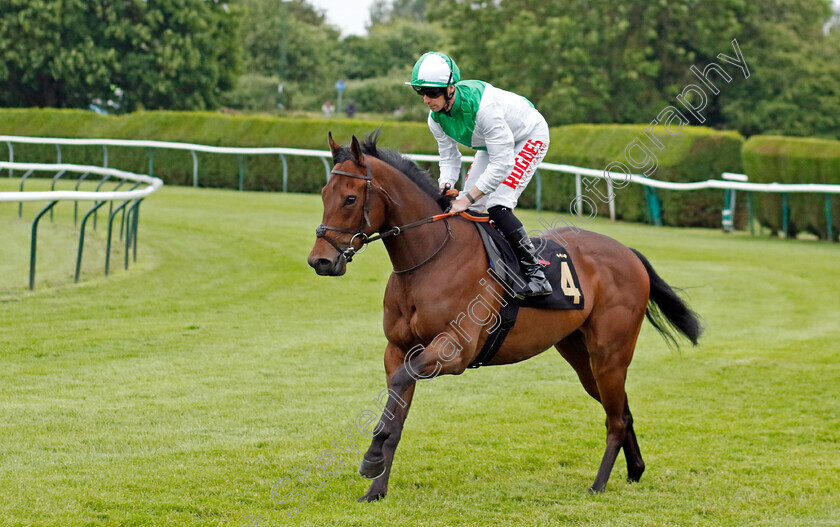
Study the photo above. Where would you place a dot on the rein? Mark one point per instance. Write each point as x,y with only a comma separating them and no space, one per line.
350,251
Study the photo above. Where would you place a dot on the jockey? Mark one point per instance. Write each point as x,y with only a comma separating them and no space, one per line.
510,138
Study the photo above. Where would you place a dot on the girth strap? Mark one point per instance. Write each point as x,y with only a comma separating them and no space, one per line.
495,340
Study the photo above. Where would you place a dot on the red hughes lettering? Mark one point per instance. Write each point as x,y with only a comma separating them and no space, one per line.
523,162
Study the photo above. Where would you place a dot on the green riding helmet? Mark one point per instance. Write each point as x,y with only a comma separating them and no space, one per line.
435,69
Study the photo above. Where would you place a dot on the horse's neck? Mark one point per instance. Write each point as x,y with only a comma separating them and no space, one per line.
409,204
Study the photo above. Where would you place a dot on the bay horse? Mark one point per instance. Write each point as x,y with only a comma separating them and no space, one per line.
440,265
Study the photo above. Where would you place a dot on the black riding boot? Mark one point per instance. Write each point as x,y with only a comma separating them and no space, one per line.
530,264
516,234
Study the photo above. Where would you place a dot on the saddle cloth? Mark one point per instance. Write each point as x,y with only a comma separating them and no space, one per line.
558,269
557,266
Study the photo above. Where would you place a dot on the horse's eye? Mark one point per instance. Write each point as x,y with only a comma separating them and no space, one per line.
350,200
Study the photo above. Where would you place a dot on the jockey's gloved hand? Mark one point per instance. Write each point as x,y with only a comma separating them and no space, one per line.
446,191
447,195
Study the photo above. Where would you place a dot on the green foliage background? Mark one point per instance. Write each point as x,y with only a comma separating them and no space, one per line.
695,154
599,61
579,61
770,159
173,54
692,155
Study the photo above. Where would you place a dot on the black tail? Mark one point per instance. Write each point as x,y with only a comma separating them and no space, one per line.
667,311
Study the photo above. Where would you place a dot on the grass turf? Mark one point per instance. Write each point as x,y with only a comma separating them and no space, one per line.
180,391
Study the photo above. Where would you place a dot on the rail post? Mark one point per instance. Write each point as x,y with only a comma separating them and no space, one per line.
728,212
76,203
326,167
285,172
785,214
101,182
195,168
52,187
82,240
110,229
241,162
34,243
136,217
127,235
750,213
22,180
611,195
654,211
11,156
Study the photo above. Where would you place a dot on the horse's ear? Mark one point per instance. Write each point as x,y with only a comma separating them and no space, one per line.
333,145
335,148
356,150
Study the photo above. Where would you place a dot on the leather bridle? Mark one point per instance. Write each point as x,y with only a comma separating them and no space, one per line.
348,252
322,229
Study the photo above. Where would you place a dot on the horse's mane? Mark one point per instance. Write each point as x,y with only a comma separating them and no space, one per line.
421,178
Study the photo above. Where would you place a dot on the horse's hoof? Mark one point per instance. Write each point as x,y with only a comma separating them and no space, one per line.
368,497
635,477
594,490
372,469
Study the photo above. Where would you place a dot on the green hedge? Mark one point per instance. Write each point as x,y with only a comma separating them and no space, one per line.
694,154
770,159
262,172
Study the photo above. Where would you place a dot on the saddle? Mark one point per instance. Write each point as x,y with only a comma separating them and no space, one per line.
558,268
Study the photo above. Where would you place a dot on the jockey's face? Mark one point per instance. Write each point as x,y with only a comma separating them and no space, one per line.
437,104
434,104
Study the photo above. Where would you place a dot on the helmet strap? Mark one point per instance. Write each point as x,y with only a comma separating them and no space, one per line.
448,98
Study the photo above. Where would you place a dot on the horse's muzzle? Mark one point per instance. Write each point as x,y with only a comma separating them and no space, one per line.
327,267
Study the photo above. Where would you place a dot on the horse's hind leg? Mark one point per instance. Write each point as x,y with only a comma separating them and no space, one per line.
574,350
635,463
610,344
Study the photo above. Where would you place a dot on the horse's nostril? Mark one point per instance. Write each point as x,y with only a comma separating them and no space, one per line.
323,263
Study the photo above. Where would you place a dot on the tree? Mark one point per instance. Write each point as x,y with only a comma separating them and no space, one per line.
290,39
54,53
602,61
385,11
395,45
177,54
588,60
795,76
288,43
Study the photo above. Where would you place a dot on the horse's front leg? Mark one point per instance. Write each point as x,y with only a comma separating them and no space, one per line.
376,463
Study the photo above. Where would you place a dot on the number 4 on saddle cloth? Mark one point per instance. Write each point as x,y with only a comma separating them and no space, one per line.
557,266
558,269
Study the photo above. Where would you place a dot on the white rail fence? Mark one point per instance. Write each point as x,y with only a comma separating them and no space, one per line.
130,206
730,182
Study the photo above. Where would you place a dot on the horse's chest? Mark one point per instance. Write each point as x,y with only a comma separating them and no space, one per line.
408,323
